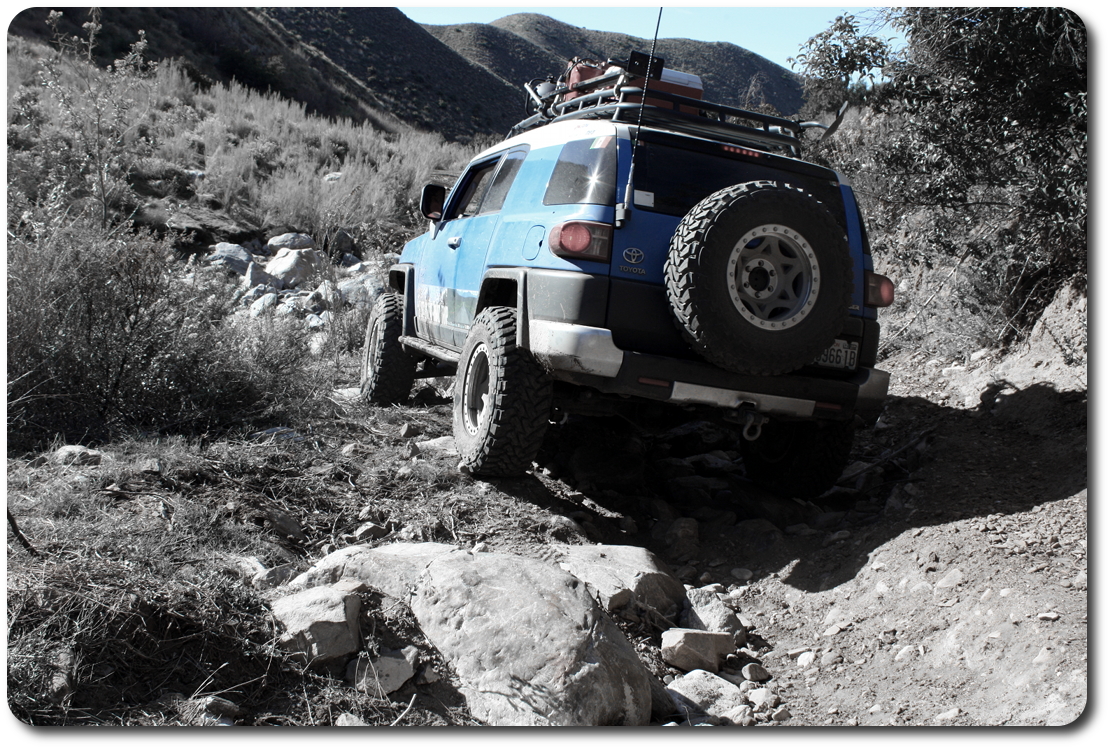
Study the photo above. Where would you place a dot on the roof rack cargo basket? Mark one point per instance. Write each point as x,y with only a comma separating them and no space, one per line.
615,93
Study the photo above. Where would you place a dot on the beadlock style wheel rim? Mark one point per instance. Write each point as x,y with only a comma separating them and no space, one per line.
476,390
774,277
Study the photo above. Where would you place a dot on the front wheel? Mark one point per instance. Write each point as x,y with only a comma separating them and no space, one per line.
799,458
502,398
387,369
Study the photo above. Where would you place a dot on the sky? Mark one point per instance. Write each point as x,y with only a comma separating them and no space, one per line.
772,32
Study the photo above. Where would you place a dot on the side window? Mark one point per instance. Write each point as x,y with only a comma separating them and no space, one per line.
471,197
585,173
510,166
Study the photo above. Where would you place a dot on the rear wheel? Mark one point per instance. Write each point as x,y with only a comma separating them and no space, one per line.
502,398
799,458
387,369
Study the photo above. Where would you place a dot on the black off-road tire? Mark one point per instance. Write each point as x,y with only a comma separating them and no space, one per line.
759,278
387,369
502,398
800,459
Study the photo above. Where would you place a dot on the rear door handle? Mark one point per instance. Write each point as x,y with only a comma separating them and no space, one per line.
454,242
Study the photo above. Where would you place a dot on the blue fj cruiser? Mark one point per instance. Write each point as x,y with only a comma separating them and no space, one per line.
620,250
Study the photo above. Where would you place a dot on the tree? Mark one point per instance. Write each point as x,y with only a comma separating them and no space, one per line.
990,106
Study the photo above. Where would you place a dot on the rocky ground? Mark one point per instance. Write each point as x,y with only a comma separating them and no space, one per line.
944,582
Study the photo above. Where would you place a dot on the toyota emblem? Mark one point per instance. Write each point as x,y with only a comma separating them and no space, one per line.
633,256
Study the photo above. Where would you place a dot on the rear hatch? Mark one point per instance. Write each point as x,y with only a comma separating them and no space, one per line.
672,174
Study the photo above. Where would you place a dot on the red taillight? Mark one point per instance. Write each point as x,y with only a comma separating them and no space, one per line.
587,240
879,292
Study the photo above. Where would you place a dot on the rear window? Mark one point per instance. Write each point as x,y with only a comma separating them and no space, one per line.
585,173
673,180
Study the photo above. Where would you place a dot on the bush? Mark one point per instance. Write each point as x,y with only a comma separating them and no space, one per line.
104,334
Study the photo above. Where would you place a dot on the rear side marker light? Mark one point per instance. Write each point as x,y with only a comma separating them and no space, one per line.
584,240
650,381
879,291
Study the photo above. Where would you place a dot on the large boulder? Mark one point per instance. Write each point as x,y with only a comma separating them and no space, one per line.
234,257
528,643
624,575
290,241
294,267
394,569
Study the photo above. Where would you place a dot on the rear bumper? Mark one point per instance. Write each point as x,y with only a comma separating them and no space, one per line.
586,355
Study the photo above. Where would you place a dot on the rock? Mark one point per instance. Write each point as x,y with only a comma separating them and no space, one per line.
439,446
255,277
76,455
294,267
283,523
369,531
832,657
290,241
1048,616
763,699
206,226
805,660
948,714
274,577
409,450
263,304
623,575
781,714
528,643
407,431
324,297
360,291
350,719
394,569
233,257
700,694
741,716
385,674
742,574
707,612
951,579
222,707
755,672
836,536
691,649
319,624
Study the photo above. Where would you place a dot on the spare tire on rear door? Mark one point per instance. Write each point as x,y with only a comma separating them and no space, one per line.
759,278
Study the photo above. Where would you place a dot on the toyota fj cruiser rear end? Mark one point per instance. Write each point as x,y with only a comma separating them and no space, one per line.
672,250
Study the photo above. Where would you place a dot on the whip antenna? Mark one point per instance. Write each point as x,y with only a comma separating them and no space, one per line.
622,209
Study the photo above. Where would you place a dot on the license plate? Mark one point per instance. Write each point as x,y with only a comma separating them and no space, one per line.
840,355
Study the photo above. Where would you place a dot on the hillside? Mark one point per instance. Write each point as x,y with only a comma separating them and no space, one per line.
727,71
374,65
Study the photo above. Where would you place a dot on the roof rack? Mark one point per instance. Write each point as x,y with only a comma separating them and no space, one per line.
613,96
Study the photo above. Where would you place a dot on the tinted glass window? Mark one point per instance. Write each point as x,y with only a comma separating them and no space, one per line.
510,166
673,180
471,197
585,173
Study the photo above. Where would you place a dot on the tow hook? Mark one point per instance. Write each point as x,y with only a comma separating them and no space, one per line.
753,425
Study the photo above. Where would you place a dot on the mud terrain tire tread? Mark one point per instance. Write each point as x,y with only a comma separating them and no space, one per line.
512,430
697,278
387,369
800,459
